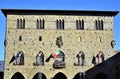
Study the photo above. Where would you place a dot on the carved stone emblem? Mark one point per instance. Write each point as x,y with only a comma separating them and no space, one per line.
59,42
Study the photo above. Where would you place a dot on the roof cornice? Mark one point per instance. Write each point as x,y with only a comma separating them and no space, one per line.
58,12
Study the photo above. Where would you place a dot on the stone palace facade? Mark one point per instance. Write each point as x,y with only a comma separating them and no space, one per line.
57,44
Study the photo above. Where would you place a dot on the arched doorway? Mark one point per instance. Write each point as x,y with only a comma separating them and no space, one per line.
60,76
17,76
80,75
39,75
118,71
101,76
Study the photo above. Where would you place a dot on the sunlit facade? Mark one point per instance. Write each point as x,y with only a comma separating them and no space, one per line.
57,44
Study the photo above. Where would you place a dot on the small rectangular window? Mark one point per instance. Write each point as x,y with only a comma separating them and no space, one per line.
20,38
40,38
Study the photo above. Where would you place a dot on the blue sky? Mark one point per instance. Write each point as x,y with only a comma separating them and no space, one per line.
106,5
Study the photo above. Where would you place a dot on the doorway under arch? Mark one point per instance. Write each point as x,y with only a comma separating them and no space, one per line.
60,75
101,76
39,75
17,75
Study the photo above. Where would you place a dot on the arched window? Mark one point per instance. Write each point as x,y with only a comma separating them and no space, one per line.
23,26
37,24
43,24
99,24
57,24
80,59
99,57
39,59
40,23
20,23
60,24
96,24
19,58
82,25
79,24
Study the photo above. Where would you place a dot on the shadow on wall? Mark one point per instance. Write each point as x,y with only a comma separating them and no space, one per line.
109,69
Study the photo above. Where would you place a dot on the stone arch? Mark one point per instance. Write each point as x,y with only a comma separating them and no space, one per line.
79,75
60,75
39,75
101,76
17,75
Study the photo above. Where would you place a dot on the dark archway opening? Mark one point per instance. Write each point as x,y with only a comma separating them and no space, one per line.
39,75
60,76
80,75
101,76
17,76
